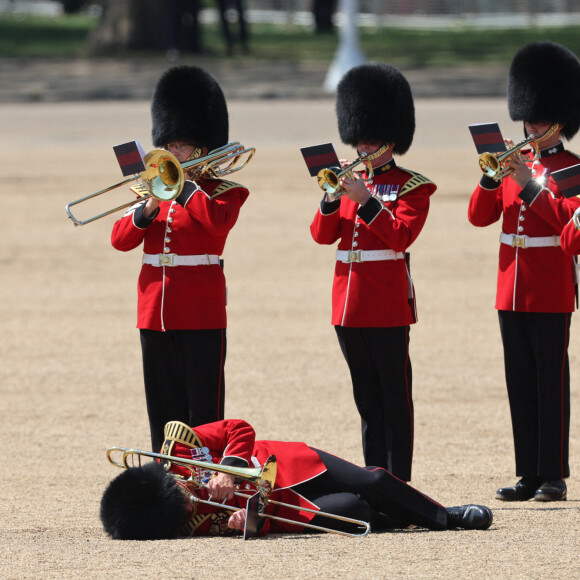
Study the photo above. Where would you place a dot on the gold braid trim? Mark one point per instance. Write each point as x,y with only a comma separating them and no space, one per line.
191,525
178,432
217,527
224,187
416,180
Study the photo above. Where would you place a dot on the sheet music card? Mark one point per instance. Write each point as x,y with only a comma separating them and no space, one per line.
487,138
319,157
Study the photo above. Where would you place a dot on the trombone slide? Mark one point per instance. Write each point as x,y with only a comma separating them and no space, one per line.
164,176
79,222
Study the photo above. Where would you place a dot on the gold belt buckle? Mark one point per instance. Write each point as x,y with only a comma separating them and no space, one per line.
354,256
519,242
166,259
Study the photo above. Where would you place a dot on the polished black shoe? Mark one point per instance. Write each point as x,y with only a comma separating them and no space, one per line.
523,490
469,517
552,490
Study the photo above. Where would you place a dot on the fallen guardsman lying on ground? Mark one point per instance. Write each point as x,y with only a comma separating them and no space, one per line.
291,487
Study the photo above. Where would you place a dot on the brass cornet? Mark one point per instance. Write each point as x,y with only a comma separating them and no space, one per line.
329,178
495,165
164,175
262,477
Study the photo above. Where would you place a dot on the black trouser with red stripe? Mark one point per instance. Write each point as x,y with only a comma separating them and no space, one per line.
371,494
381,373
184,378
538,384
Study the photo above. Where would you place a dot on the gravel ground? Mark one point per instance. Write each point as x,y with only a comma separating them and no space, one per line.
70,379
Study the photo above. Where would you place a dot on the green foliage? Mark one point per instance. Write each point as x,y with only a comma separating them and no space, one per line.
32,36
462,45
410,48
66,36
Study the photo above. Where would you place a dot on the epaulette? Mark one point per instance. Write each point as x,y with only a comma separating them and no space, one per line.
416,180
224,187
140,190
178,432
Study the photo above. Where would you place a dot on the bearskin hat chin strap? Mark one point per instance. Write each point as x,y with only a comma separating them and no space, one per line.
196,154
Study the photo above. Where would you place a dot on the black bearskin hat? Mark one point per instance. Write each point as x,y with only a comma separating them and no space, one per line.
188,105
143,503
374,103
544,85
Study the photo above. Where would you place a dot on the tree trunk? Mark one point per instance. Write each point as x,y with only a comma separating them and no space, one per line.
130,25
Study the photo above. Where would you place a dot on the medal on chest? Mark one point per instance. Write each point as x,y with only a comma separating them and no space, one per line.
385,192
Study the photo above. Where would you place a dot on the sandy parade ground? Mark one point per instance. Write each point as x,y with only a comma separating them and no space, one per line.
71,382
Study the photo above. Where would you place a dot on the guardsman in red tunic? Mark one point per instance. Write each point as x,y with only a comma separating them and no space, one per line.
182,288
145,503
374,222
536,279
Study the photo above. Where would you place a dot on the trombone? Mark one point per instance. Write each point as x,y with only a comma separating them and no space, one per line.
262,477
164,175
495,165
329,178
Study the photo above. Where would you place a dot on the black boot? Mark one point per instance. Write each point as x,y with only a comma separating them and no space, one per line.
552,490
523,490
469,517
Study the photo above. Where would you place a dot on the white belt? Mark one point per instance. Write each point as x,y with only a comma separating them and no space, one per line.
348,256
176,260
528,242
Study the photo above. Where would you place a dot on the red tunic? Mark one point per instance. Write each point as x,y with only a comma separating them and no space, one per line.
235,439
570,239
375,294
183,297
531,279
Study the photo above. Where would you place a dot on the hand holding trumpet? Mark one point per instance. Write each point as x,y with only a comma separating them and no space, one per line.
352,185
348,182
512,162
519,171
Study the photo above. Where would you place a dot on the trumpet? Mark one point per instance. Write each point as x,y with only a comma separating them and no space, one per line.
495,165
262,477
164,176
329,178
